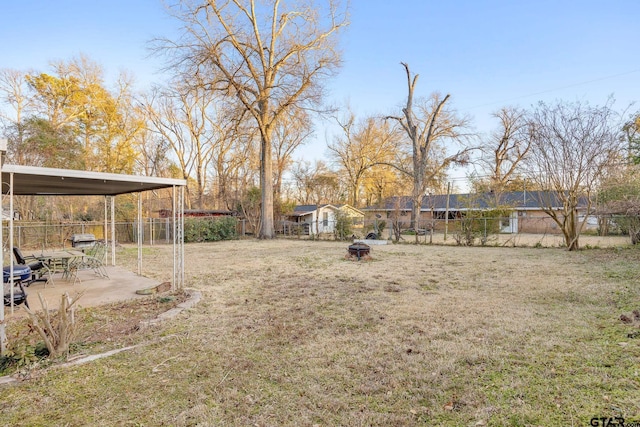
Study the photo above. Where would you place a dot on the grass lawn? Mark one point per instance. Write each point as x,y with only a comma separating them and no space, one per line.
292,333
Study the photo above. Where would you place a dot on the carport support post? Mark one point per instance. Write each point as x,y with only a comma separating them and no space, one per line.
175,227
113,230
105,230
181,282
140,236
3,331
177,280
10,239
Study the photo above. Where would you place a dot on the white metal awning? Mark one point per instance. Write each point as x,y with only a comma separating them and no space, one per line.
36,181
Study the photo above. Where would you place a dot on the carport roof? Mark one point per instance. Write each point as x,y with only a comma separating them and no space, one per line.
32,180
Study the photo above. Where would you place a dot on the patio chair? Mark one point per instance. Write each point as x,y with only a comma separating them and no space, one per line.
94,249
38,268
19,295
93,260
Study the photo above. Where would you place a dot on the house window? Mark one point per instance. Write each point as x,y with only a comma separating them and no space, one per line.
443,215
325,219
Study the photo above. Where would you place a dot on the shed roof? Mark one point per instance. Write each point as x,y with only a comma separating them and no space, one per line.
302,210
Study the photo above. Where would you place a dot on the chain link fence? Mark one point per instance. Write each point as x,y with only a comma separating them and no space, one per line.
536,231
40,235
529,231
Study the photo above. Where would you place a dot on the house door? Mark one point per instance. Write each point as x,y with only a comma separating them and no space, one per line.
510,224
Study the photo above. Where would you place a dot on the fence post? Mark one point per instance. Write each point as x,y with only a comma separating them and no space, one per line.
485,230
446,212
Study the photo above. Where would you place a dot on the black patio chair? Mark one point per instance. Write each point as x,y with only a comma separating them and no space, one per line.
38,268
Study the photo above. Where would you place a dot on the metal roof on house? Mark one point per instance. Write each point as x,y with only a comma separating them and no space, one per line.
522,200
306,208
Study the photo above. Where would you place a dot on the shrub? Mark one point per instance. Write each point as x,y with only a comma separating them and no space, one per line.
344,228
477,224
209,229
22,354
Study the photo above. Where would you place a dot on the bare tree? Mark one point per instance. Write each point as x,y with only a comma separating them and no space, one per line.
14,94
619,201
428,130
382,181
234,157
362,146
507,147
290,132
572,145
272,57
154,151
631,132
316,183
183,115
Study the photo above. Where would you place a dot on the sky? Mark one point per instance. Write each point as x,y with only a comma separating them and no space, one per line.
486,54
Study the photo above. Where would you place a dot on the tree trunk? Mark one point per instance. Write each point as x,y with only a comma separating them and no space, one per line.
354,196
571,232
415,213
267,230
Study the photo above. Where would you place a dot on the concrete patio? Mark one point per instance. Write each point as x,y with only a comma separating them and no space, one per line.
121,285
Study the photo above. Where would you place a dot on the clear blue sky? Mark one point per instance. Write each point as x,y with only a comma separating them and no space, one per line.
486,54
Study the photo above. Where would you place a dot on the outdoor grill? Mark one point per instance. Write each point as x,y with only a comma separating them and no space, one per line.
84,240
20,273
359,249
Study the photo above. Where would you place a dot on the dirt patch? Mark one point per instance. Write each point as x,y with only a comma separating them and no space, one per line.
118,322
99,328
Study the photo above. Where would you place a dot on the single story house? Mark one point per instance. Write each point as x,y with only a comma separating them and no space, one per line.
318,219
525,210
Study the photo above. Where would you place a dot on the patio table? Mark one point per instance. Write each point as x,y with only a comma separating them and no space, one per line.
59,261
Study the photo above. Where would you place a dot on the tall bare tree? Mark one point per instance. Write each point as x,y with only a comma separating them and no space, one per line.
572,146
505,150
183,115
272,57
362,146
429,130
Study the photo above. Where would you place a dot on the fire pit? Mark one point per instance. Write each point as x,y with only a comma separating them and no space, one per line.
359,250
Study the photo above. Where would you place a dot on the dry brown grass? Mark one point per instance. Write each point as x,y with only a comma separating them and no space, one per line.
292,333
